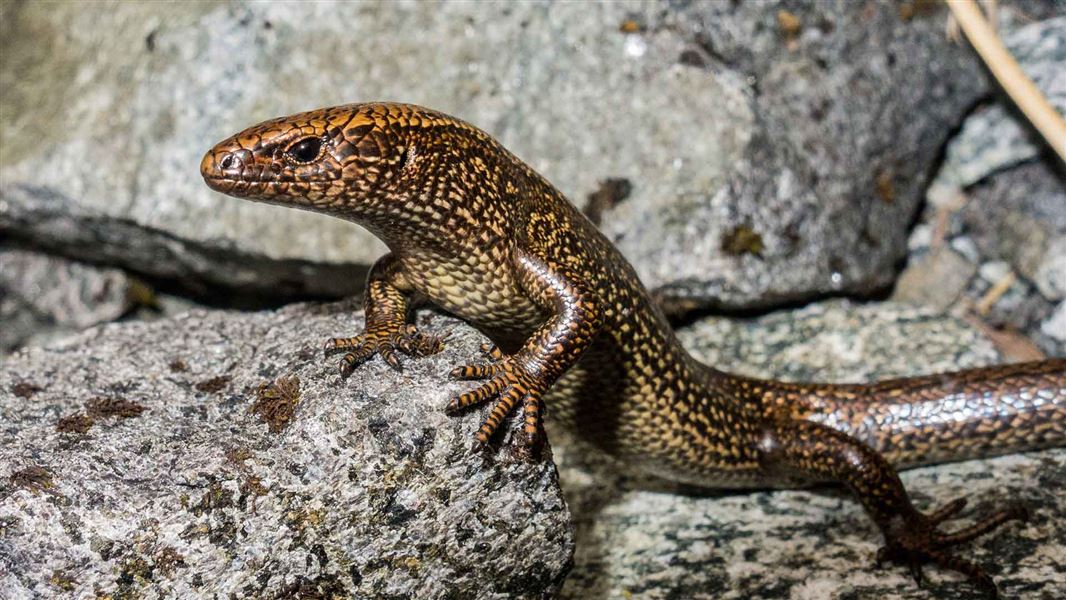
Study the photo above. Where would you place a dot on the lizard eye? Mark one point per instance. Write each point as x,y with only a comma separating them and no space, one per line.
305,150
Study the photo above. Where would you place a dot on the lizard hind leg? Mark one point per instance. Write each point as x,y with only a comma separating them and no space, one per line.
912,538
503,407
532,430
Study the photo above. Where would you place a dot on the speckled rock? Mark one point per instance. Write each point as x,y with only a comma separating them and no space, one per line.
996,136
638,539
1019,215
218,455
1055,325
1010,228
766,164
1000,201
45,297
935,280
853,101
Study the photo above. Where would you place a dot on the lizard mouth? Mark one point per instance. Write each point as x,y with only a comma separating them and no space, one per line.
244,188
222,184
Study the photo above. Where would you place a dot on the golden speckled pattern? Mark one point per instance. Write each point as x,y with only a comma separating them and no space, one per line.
476,231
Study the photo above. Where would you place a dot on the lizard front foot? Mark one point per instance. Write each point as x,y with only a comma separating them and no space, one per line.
385,341
916,540
510,382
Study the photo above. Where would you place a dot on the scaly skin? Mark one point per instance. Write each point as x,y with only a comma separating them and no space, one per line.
483,236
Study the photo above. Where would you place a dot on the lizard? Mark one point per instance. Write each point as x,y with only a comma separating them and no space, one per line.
476,231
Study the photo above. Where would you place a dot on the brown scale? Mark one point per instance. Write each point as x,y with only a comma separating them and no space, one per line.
480,234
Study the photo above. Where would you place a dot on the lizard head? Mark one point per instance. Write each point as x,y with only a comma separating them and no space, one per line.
408,174
346,160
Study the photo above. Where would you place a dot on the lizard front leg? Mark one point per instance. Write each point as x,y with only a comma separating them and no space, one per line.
385,306
552,349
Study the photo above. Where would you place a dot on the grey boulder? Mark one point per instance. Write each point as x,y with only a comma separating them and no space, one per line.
218,454
43,297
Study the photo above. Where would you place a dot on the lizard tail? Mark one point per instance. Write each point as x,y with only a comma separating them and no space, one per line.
951,416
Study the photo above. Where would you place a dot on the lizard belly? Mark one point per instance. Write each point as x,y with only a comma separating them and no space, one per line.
482,292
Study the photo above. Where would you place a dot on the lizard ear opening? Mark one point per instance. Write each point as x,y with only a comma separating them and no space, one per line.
405,157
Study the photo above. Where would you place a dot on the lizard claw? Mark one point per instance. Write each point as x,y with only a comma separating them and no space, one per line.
491,350
915,540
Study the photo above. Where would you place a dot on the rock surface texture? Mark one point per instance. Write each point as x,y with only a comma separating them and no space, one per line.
769,158
742,155
991,241
183,458
218,455
995,137
44,297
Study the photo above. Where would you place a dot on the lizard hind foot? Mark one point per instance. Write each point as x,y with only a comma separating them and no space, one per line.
917,541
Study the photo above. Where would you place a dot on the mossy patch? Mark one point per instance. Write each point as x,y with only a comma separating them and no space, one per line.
97,409
25,389
213,385
276,402
103,407
75,423
33,478
741,240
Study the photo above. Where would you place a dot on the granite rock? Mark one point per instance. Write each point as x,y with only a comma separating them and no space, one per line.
810,145
1015,218
997,136
639,539
1000,199
1055,325
1050,275
185,479
853,101
44,298
218,454
936,280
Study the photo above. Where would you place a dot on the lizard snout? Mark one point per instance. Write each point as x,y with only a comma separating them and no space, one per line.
221,163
